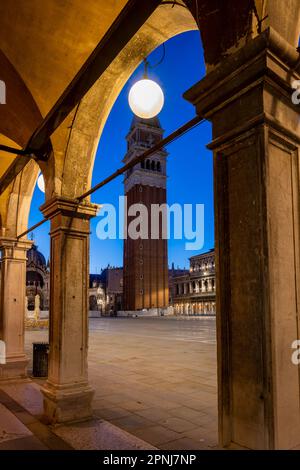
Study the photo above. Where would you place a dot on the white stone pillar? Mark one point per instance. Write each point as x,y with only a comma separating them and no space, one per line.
67,394
37,310
12,306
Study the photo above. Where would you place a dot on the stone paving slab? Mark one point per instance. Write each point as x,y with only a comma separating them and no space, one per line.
163,364
100,435
32,434
10,427
20,430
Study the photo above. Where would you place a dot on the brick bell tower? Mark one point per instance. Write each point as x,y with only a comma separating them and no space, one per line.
145,261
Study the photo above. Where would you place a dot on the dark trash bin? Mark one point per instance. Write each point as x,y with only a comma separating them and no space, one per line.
40,359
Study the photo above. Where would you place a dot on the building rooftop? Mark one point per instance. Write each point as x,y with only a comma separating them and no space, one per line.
203,255
34,256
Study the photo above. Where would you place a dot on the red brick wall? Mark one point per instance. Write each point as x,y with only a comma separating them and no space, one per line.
145,261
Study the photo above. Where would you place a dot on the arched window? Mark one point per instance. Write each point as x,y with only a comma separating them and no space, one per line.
33,278
153,165
148,164
158,167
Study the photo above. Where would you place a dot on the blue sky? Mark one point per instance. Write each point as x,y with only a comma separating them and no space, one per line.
189,168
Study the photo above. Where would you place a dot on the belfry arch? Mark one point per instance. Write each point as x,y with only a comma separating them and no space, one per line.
251,58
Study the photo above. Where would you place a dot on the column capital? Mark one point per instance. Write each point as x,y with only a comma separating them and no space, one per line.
14,248
68,207
251,87
250,54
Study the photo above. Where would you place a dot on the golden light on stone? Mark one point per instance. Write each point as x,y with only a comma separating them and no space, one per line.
41,183
146,99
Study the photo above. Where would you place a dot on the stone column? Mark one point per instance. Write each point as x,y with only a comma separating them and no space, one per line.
37,310
67,394
256,140
12,306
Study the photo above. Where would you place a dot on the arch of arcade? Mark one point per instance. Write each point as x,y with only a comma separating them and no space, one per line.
251,57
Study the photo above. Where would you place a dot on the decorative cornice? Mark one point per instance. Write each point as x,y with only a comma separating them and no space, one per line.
11,248
143,178
69,207
269,39
7,242
249,89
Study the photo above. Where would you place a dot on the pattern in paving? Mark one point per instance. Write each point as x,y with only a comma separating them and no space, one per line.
154,378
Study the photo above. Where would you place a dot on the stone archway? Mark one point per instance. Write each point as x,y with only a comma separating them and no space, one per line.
250,54
94,109
71,175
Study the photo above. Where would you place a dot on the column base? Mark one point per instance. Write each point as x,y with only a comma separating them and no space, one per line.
14,369
69,403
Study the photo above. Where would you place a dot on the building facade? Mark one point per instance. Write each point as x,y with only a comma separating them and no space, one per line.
191,292
37,279
106,291
145,259
194,292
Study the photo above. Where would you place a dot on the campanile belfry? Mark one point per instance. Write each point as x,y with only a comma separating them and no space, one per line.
145,260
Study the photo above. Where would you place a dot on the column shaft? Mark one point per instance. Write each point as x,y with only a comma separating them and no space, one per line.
67,394
12,307
256,144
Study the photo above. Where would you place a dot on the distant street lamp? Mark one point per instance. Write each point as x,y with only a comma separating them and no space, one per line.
41,183
146,98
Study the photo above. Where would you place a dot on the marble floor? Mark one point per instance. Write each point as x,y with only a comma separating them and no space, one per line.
154,379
